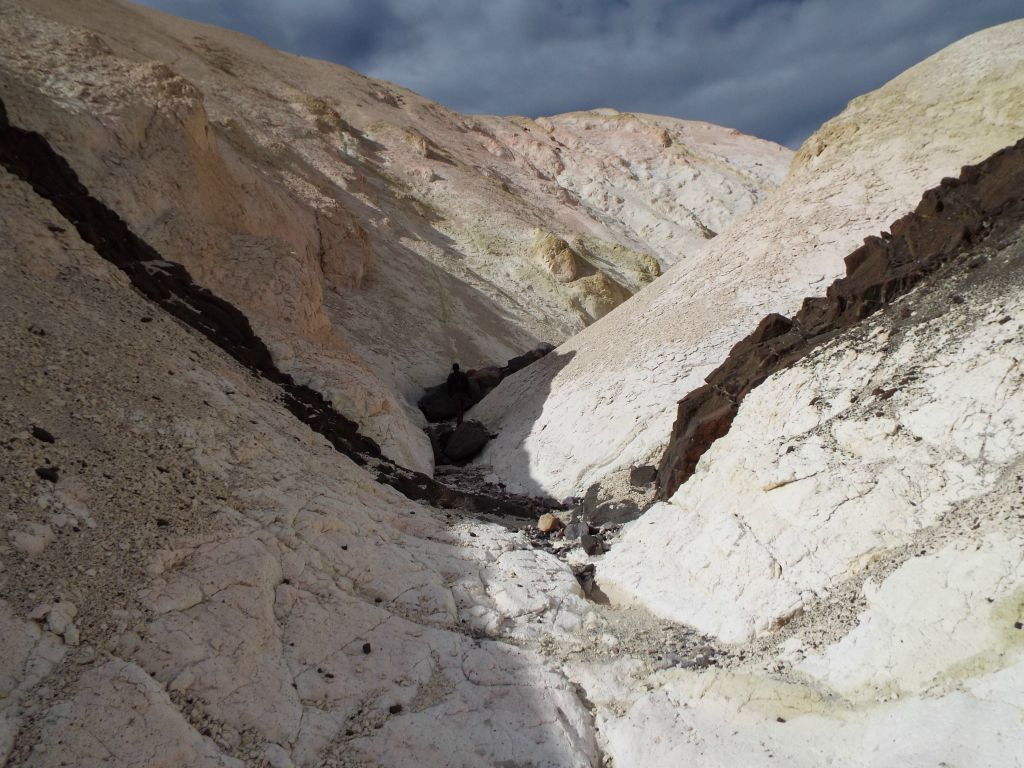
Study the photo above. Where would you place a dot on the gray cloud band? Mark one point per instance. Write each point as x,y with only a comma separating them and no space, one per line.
776,68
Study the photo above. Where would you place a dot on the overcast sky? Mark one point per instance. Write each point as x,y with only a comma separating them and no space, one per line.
772,68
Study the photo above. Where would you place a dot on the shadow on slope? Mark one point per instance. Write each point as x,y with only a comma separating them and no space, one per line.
314,633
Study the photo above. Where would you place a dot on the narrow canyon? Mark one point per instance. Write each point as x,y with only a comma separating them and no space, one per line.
731,473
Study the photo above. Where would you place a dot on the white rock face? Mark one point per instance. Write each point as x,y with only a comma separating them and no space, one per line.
906,645
820,473
607,398
932,674
370,235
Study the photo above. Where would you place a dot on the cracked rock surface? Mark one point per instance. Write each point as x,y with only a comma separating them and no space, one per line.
856,540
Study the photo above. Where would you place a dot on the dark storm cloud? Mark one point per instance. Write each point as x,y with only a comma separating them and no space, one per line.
773,68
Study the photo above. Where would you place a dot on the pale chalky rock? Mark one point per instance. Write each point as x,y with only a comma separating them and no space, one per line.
919,681
824,468
606,399
120,716
906,646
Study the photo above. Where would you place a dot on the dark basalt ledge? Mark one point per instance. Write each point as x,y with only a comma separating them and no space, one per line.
29,156
986,199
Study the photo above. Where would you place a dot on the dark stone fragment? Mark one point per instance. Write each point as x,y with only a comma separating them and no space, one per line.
146,319
591,544
1018,625
436,405
613,513
577,529
162,522
468,439
394,709
367,648
41,434
585,576
882,393
517,364
48,473
643,475
486,378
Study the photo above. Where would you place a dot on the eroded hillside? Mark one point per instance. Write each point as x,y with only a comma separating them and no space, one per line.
607,400
206,558
370,235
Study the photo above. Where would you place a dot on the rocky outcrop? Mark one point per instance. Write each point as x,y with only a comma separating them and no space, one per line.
457,444
855,538
558,257
950,221
607,400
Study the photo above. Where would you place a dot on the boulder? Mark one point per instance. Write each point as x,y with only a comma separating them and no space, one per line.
521,361
438,435
576,529
591,544
468,439
549,523
436,405
486,378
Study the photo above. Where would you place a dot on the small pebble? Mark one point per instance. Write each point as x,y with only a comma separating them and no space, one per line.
41,434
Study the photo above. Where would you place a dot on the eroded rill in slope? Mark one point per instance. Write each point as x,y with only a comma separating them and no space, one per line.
984,202
29,156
